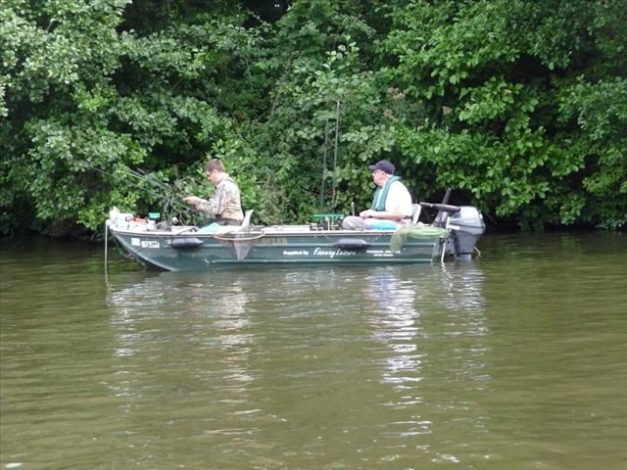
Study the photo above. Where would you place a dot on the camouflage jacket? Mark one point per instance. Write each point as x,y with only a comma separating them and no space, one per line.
225,202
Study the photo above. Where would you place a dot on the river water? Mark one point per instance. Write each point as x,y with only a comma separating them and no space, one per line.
516,360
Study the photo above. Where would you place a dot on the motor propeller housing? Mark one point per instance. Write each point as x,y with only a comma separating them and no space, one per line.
467,226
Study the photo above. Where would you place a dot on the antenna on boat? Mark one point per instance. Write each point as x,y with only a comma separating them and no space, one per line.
324,163
325,158
337,138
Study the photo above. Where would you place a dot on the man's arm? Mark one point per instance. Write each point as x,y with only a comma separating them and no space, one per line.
211,207
387,215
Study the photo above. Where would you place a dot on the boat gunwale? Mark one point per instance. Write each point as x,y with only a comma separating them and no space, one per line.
275,233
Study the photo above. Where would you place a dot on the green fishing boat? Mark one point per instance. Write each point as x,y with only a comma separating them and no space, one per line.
452,236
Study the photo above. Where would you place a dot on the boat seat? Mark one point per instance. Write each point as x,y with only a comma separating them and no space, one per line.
247,216
415,213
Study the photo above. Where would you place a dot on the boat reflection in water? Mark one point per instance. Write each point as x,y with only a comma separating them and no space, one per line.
389,351
434,328
174,326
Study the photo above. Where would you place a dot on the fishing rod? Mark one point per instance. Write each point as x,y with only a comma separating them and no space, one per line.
148,177
171,201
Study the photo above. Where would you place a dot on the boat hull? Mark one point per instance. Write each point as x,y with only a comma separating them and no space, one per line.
184,250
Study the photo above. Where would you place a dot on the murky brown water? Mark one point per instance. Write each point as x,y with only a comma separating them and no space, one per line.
516,360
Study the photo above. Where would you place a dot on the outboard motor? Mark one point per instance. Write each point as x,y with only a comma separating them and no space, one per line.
467,226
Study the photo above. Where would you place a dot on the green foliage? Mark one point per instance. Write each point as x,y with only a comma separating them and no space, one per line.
498,81
519,104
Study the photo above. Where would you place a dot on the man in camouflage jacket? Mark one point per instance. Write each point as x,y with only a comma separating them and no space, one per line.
225,204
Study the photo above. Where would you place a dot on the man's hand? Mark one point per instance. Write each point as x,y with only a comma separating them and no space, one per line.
192,200
369,213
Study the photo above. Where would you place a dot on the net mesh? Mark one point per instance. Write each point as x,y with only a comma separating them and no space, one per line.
240,242
417,232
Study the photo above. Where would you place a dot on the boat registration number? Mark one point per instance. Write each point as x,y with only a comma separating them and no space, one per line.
145,243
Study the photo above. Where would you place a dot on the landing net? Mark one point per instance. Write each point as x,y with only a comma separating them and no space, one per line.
416,232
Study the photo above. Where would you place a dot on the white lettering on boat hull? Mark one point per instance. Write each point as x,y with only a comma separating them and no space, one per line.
332,253
295,253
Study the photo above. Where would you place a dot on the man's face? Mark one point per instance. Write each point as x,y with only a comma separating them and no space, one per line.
214,177
379,177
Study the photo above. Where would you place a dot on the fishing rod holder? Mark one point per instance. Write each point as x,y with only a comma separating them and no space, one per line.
326,222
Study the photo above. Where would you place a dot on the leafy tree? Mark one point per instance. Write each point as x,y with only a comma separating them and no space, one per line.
519,104
87,102
500,83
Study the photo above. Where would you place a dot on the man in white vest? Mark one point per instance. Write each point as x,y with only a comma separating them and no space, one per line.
391,203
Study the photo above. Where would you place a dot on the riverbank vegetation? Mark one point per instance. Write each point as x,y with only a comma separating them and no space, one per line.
520,106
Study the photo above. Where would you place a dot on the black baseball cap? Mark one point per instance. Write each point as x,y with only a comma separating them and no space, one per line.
385,166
